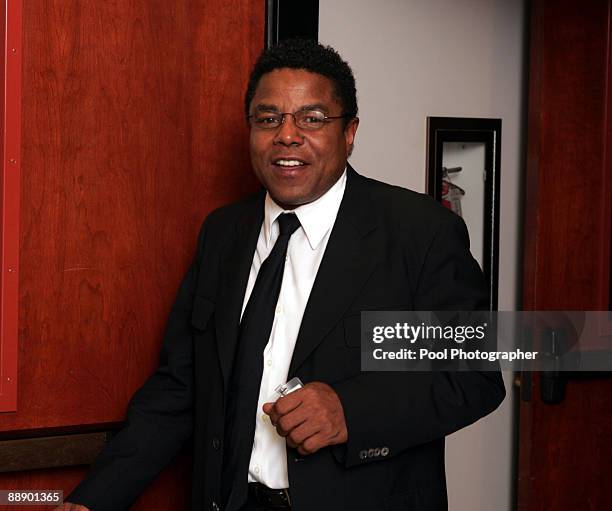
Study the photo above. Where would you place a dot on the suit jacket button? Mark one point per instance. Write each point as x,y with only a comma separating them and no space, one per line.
214,506
216,443
363,454
384,451
370,453
377,452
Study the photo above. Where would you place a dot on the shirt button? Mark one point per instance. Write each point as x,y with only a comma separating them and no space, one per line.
279,309
257,469
269,362
264,417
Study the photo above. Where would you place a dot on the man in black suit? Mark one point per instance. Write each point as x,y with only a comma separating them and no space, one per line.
275,291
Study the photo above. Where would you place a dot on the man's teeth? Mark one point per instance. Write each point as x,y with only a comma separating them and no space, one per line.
289,163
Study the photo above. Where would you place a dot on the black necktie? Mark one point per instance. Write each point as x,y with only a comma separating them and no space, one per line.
255,329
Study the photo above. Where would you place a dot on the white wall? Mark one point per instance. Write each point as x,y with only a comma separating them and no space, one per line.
457,58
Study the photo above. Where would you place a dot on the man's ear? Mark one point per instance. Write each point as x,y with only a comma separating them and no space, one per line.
350,132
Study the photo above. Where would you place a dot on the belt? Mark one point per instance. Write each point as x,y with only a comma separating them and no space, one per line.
269,497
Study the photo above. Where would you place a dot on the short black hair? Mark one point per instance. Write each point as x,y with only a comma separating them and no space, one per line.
311,56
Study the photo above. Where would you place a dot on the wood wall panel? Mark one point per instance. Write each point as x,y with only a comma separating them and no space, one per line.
565,449
569,152
133,130
161,496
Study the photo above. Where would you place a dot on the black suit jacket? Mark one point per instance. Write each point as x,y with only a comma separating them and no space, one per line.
390,249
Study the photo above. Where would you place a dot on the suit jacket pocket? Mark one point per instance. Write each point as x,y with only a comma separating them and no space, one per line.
203,310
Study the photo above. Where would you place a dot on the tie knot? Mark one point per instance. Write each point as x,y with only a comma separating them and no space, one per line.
288,223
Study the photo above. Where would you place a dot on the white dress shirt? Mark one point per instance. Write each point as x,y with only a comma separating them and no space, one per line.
268,463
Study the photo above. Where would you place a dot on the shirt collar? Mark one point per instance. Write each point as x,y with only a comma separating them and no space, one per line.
316,217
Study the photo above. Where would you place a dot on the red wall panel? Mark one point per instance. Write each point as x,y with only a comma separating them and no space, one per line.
565,448
132,131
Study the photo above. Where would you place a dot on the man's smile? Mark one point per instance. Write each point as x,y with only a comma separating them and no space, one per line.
289,162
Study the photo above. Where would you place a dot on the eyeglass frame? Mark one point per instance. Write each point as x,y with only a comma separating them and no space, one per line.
325,119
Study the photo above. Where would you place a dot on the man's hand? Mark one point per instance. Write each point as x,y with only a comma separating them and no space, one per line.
68,506
310,418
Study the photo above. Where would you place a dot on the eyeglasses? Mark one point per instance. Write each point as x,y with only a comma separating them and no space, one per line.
304,119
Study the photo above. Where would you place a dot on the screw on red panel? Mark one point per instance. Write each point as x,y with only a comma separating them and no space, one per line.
13,161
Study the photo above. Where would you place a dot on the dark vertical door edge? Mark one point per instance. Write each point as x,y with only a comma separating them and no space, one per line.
288,19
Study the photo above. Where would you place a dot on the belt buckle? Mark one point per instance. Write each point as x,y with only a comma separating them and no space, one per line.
274,498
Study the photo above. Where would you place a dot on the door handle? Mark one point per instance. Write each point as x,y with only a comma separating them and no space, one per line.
556,350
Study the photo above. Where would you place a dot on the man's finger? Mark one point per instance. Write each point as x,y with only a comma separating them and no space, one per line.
289,402
282,406
303,431
270,410
312,444
286,423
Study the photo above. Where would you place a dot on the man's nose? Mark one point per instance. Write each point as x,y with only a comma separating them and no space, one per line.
288,133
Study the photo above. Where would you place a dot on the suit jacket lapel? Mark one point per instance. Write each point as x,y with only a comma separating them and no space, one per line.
346,266
235,269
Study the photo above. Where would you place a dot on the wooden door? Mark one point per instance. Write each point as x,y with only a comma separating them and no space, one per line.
566,448
133,130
